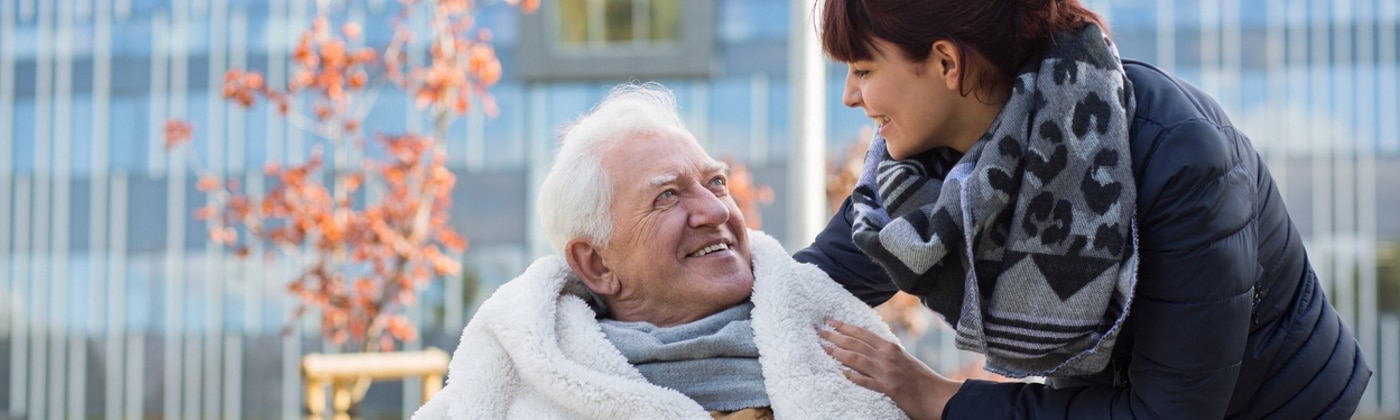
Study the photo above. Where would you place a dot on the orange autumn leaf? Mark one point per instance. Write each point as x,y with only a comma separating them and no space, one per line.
205,213
453,241
364,55
351,30
358,80
207,183
425,98
400,326
461,104
333,54
353,182
177,132
223,235
442,265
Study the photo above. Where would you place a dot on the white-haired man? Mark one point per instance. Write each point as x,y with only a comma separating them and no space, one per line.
660,303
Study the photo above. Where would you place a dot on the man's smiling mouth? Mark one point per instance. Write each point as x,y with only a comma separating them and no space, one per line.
712,248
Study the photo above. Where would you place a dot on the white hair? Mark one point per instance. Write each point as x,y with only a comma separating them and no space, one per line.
575,197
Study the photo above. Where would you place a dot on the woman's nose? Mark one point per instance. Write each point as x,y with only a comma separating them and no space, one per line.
851,95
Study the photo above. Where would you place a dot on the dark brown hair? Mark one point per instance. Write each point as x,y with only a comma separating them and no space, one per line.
1003,34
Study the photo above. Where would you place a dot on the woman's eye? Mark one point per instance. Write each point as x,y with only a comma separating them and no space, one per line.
860,73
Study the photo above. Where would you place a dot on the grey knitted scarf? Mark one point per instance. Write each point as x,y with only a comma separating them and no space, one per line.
714,360
1026,244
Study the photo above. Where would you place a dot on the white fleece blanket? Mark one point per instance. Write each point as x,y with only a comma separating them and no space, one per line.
535,351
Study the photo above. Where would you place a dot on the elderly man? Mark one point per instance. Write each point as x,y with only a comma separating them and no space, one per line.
660,304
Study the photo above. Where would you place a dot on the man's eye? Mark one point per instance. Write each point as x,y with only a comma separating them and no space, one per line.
718,181
666,195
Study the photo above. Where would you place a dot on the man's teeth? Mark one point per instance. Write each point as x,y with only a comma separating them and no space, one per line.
709,249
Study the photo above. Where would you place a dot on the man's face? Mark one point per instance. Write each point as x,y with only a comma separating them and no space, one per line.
679,246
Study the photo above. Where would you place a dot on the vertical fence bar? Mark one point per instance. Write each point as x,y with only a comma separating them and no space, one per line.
9,281
1366,196
170,316
1390,127
1321,152
1231,59
41,401
126,348
1297,93
21,369
1209,45
1166,35
1389,366
1275,141
279,141
1342,147
758,127
102,293
68,340
210,333
231,287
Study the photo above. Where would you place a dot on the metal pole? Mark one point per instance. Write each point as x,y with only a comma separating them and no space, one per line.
807,159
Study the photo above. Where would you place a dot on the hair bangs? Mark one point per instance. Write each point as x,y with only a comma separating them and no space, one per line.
844,34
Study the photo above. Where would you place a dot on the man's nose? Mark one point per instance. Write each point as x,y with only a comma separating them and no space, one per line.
851,95
707,209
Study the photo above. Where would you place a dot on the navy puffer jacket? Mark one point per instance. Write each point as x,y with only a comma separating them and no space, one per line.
1228,320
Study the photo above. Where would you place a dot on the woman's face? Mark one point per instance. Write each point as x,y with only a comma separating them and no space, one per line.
913,103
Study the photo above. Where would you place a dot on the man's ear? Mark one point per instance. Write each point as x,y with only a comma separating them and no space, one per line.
586,260
945,59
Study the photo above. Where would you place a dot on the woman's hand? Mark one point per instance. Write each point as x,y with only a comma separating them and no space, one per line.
883,366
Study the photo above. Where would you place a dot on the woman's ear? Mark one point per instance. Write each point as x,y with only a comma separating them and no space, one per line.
586,260
945,59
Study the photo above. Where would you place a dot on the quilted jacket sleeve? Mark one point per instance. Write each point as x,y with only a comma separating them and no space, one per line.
835,253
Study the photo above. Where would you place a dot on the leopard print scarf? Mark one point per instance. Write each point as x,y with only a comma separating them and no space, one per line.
1027,244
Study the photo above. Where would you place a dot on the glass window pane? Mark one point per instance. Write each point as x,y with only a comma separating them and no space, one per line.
618,20
573,23
23,139
124,135
80,135
664,20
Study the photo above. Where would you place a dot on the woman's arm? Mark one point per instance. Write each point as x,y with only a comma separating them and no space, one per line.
835,253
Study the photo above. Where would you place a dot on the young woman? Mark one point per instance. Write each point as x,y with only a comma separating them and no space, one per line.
1076,216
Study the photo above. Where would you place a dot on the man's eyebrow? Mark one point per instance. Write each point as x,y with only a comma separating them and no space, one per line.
660,180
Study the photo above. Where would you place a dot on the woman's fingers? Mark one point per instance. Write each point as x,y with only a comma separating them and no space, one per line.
844,339
877,361
858,333
883,366
849,352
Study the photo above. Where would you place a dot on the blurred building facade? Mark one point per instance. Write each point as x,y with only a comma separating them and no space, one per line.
114,305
